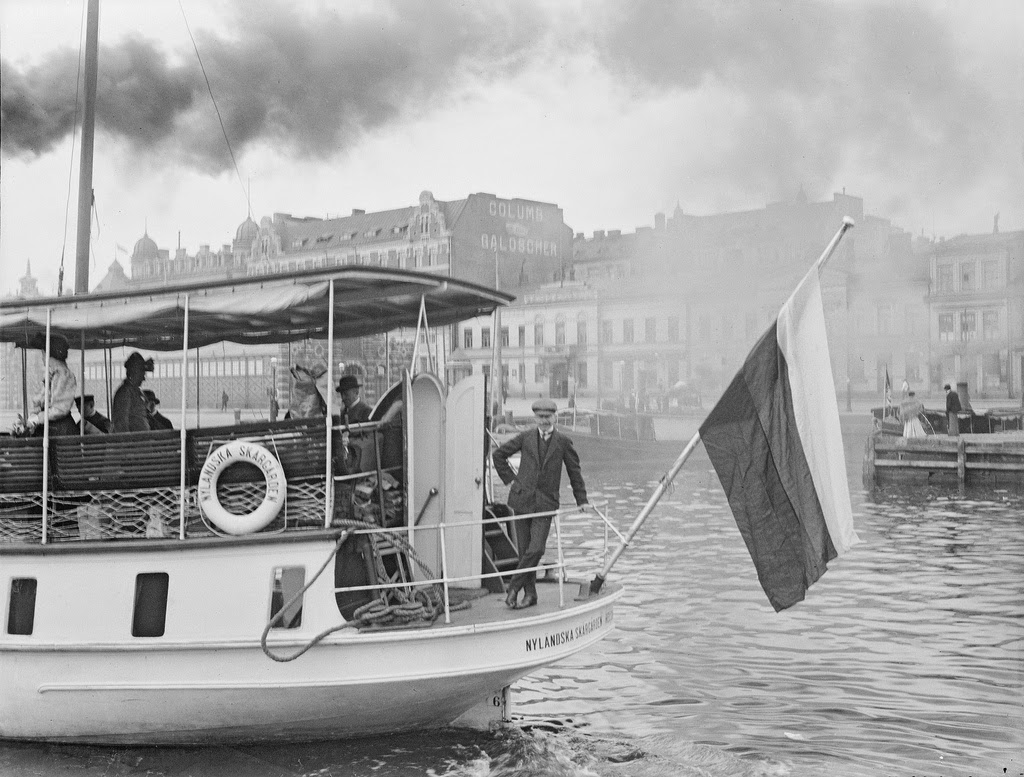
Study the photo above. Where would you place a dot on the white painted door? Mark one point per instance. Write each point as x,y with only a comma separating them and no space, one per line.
464,478
425,446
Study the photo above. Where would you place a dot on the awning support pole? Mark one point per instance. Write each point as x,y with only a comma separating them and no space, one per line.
46,429
184,406
329,420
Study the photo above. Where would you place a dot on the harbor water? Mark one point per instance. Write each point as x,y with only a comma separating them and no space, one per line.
907,658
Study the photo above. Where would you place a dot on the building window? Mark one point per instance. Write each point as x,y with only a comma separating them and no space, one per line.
288,582
968,325
424,223
485,337
650,330
467,338
946,331
504,337
522,335
540,372
559,333
606,373
627,330
522,372
967,280
945,278
150,612
581,374
538,333
581,332
606,332
990,324
991,276
21,610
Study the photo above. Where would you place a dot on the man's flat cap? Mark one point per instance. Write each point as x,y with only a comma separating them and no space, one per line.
545,406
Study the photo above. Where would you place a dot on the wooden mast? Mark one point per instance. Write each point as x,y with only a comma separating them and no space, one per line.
88,131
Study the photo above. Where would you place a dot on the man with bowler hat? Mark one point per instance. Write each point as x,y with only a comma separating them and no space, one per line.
354,410
543,451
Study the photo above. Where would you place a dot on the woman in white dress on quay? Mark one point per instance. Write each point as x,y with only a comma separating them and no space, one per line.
910,412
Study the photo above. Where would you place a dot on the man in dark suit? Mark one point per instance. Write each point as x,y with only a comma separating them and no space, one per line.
353,409
952,399
542,453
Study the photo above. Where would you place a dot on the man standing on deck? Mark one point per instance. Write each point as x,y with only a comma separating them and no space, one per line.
542,453
354,410
128,411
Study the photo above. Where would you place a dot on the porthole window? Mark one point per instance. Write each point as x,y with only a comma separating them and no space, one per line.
21,610
150,612
287,583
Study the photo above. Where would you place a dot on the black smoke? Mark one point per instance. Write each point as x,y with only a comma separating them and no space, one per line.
813,84
308,84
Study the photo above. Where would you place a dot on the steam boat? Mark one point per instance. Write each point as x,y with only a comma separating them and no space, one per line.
275,580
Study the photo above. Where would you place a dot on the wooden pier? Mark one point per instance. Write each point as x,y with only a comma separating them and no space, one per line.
967,460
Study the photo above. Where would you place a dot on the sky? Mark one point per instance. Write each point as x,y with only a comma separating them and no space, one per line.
613,110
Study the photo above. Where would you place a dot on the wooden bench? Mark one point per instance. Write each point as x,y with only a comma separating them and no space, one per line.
21,465
117,461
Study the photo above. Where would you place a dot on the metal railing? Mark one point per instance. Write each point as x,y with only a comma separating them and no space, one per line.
445,581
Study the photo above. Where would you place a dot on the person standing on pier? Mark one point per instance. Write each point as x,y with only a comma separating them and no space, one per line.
543,452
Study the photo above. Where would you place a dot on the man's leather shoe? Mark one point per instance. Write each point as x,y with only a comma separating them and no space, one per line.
528,601
510,598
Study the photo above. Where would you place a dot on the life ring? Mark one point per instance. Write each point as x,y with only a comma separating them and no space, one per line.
223,457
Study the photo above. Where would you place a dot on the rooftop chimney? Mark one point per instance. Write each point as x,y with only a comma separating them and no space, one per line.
358,212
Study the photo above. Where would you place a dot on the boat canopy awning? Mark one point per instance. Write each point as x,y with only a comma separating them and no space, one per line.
263,309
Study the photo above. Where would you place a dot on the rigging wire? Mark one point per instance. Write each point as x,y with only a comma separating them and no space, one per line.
71,164
209,88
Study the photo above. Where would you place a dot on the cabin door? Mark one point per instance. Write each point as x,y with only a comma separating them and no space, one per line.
425,446
464,479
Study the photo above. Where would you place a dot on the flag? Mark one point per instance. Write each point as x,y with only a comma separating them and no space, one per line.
774,440
888,390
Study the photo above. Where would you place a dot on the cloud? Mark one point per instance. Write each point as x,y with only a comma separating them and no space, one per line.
893,86
311,84
915,100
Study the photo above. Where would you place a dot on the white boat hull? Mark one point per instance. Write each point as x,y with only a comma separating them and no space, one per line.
201,690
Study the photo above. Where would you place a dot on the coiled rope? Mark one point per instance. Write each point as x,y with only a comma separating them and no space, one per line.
423,604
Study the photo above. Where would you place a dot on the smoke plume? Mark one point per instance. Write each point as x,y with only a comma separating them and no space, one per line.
811,85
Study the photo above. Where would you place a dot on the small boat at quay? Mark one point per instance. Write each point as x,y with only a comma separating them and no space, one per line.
251,582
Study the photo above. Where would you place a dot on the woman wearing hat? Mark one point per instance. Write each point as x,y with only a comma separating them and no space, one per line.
63,388
128,412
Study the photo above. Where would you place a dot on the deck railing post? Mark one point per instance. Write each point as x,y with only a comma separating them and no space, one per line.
961,461
444,573
561,560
